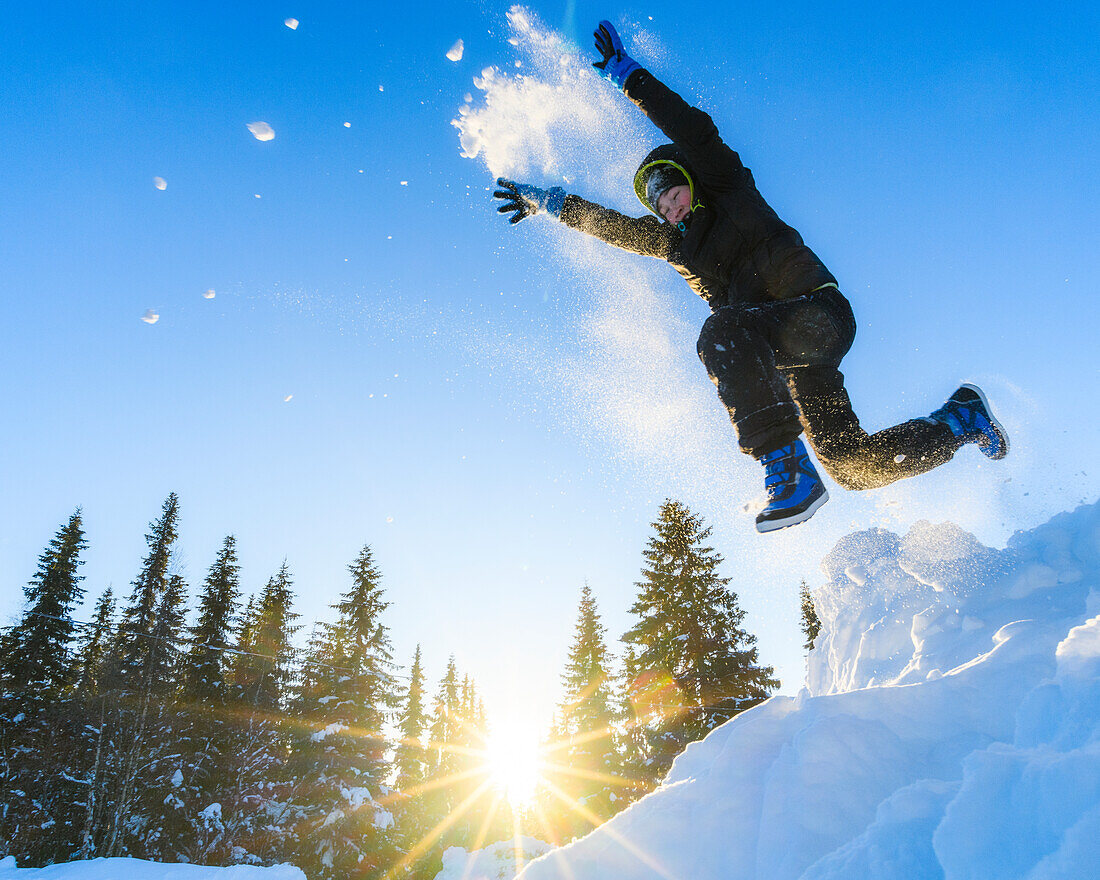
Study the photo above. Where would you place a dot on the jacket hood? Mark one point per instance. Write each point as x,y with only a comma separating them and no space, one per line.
666,154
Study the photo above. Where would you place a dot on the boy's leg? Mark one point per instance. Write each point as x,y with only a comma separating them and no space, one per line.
741,362
803,339
851,456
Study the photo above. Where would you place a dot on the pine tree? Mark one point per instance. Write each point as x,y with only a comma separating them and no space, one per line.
136,654
92,651
206,668
811,623
410,756
584,765
696,666
35,660
205,741
139,678
351,696
265,667
40,728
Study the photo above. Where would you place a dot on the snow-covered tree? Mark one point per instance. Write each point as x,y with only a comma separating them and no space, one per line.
696,667
93,646
206,745
349,694
583,765
35,653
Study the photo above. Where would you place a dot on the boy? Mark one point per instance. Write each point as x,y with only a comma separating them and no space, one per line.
780,325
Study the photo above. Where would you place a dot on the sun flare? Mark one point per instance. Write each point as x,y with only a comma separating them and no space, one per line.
512,758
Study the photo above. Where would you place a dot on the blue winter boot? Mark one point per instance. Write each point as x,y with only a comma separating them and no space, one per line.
968,416
795,491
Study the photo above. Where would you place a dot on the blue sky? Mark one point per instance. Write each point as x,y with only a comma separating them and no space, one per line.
941,161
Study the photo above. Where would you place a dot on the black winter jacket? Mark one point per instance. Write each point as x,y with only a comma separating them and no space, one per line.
736,249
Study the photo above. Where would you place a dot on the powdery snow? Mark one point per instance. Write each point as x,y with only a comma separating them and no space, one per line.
455,52
150,316
139,869
261,131
160,183
500,861
950,728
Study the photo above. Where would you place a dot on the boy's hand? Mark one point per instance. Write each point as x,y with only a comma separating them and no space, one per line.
527,200
616,64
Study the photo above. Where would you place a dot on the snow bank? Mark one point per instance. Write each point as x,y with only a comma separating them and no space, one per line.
500,861
139,869
950,728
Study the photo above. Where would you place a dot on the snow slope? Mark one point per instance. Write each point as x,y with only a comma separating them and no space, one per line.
950,728
139,869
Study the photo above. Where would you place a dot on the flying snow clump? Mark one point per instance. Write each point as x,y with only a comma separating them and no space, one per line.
291,23
455,52
150,316
208,294
288,398
261,131
160,183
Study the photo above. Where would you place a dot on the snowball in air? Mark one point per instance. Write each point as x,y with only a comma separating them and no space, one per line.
291,23
160,183
150,317
455,52
347,125
261,131
287,398
209,294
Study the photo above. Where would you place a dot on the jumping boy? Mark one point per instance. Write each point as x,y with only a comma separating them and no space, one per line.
780,325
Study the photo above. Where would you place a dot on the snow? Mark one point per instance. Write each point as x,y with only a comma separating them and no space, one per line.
160,183
328,731
209,293
455,52
495,862
139,869
261,131
292,23
150,316
949,728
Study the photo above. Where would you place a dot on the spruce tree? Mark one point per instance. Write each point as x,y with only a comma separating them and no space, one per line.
139,679
36,652
260,799
352,696
266,662
41,742
696,665
135,655
811,623
410,756
207,662
205,740
584,765
93,647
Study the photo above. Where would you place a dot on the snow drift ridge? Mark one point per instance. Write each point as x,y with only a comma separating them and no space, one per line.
950,728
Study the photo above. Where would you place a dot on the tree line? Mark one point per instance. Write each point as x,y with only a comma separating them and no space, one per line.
232,740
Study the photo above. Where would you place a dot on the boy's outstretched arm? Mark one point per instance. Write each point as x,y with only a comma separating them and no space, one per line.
717,167
640,235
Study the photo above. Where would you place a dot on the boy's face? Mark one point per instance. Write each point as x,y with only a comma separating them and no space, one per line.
675,203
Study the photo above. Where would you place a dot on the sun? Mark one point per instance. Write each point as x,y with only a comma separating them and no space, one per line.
512,759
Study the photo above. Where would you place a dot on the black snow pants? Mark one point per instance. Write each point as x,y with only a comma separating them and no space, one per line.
775,365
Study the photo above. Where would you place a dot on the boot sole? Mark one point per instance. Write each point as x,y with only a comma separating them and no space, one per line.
774,525
997,426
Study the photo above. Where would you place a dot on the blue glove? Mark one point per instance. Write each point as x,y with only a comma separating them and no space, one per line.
616,64
527,200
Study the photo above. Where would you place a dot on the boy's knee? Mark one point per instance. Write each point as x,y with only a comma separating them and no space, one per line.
719,333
